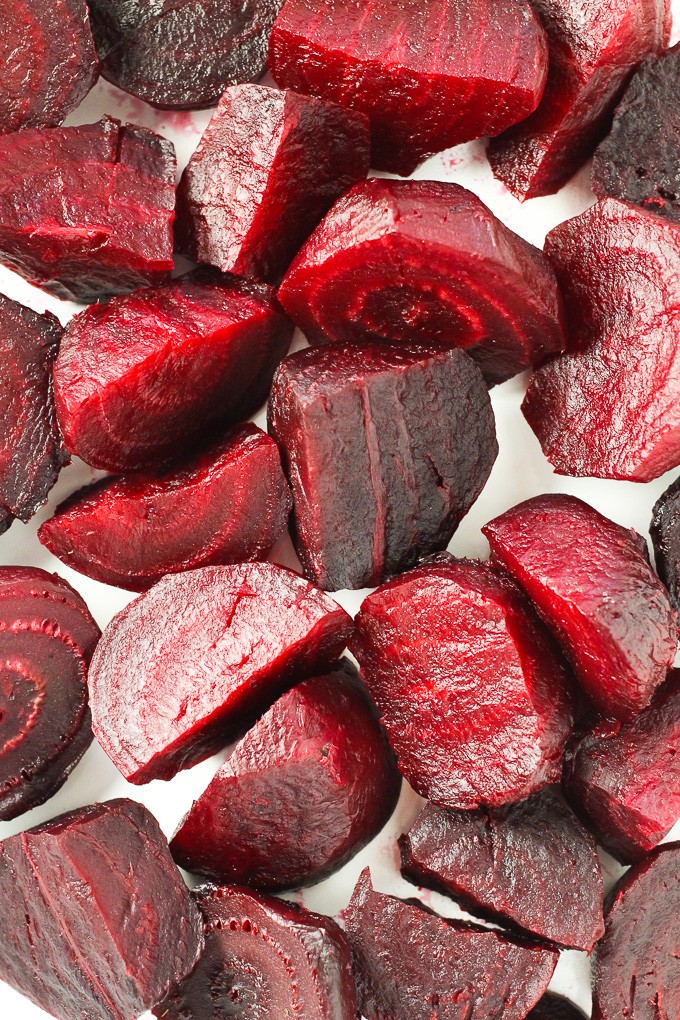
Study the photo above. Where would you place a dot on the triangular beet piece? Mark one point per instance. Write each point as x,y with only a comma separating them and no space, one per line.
556,1007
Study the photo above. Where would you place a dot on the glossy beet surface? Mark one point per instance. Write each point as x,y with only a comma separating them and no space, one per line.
555,1007
189,665
594,47
310,785
413,429
264,959
96,920
472,692
665,534
47,637
411,964
428,74
138,379
268,167
591,581
425,261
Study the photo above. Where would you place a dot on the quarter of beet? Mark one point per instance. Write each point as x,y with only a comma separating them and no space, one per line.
426,262
556,1007
268,168
592,583
96,920
138,379
531,866
665,534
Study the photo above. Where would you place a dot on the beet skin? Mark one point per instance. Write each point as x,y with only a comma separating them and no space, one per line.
665,534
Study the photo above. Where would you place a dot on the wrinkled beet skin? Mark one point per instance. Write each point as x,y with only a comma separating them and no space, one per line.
555,1007
267,169
305,790
665,534
428,76
122,927
412,427
531,865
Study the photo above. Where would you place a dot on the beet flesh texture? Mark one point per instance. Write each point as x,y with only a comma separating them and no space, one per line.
138,379
530,866
428,76
304,791
665,534
426,262
414,429
556,1007
594,47
267,169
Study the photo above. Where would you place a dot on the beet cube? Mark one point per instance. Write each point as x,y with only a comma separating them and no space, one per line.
556,1007
665,534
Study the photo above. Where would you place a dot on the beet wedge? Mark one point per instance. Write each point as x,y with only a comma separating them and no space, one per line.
556,1007
424,261
665,535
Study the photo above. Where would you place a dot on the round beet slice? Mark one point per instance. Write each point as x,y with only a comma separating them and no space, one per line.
305,790
665,535
556,1007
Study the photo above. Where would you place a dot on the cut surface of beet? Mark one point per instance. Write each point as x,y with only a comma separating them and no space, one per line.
139,378
472,692
593,585
665,534
267,169
87,211
425,262
304,791
531,865
340,411
556,1007
188,666
96,920
428,75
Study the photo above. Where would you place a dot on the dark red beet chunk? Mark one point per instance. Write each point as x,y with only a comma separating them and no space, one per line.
264,959
592,583
530,865
189,665
428,75
411,964
87,211
665,534
268,168
555,1007
426,262
473,695
339,412
139,378
96,920
305,790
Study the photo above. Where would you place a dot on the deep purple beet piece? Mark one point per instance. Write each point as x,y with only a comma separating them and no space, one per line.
665,534
556,1007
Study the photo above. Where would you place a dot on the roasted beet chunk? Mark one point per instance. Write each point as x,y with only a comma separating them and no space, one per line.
268,168
593,585
343,412
189,665
423,262
428,75
96,920
472,693
555,1007
665,533
139,378
531,865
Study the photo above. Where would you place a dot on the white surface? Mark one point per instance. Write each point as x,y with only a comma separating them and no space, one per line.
520,471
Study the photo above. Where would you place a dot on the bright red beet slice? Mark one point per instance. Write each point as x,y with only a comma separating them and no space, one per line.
556,1007
665,534
428,75
472,692
87,211
267,169
424,261
531,866
593,50
305,790
96,920
139,378
342,412
592,583
190,664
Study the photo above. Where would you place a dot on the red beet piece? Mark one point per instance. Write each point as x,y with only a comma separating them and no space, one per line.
665,534
428,75
424,262
556,1007
87,211
190,664
530,865
594,47
411,964
139,378
268,168
96,921
593,585
264,959
305,790
473,695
